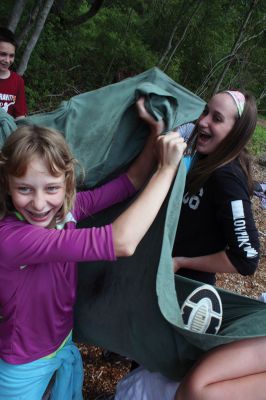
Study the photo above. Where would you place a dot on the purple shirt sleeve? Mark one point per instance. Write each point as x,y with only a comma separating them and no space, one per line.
25,244
92,201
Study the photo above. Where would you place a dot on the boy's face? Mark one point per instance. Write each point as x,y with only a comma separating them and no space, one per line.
7,56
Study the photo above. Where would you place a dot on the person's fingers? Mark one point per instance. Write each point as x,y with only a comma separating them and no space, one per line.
140,104
142,111
156,126
171,137
170,149
174,135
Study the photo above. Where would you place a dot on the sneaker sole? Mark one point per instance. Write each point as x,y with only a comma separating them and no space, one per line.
202,310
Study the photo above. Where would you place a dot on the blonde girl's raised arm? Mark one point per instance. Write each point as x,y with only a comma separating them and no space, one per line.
130,227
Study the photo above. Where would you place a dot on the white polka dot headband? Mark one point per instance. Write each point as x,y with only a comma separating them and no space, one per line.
239,100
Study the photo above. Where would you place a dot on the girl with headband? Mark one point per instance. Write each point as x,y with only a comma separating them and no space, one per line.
216,233
216,230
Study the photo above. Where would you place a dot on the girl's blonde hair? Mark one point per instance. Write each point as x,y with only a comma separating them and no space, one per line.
21,147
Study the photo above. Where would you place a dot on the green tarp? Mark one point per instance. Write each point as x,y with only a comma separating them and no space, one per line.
102,127
132,306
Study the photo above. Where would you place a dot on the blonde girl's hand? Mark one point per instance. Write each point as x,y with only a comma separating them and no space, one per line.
170,149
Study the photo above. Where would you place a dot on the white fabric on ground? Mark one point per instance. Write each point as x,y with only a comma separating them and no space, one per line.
141,384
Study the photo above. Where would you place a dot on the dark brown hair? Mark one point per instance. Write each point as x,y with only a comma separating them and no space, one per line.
7,36
232,147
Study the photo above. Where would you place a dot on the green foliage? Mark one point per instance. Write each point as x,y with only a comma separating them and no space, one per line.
257,145
5,9
85,57
48,74
131,36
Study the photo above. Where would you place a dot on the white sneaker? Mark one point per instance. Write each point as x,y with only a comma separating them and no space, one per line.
202,310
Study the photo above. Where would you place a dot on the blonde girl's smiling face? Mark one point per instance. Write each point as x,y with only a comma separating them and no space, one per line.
38,195
216,122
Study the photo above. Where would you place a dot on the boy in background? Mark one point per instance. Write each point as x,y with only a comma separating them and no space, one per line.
12,90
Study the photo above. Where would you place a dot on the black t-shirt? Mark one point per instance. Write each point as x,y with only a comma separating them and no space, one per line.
219,217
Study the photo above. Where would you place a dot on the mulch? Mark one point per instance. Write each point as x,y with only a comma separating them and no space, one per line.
101,373
262,122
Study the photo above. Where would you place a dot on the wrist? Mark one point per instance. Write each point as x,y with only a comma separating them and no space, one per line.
179,262
167,169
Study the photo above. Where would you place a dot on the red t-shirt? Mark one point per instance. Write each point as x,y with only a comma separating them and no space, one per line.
12,95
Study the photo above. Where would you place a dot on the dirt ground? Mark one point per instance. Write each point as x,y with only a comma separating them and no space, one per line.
102,374
262,122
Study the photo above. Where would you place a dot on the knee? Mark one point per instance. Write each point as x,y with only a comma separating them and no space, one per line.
190,389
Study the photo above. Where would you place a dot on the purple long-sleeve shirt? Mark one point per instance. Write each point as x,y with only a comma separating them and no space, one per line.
38,273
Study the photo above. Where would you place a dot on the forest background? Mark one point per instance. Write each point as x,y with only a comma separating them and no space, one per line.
67,47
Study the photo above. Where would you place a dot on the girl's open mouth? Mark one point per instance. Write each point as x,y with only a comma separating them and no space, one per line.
203,137
38,216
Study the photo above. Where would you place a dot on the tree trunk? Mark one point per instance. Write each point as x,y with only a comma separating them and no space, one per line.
262,95
30,23
169,44
16,14
117,47
183,36
181,13
236,46
203,87
35,36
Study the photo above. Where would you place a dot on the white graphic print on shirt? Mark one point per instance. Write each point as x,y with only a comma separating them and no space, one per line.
240,229
194,200
6,100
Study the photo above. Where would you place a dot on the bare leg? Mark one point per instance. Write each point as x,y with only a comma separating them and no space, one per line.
233,371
